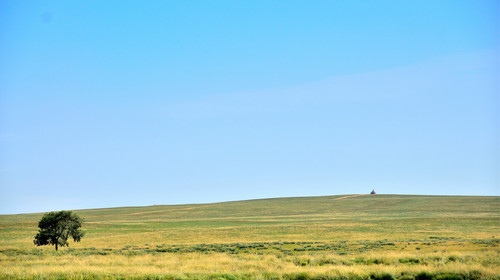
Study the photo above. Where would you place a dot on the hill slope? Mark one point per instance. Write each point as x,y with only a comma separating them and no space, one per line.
332,237
366,217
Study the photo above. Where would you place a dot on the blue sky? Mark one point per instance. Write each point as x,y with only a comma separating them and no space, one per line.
120,103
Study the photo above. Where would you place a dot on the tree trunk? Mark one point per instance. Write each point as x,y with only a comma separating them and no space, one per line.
56,246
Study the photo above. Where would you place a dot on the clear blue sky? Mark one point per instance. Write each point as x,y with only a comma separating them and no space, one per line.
116,103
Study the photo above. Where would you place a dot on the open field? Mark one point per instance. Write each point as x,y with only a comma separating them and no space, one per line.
334,237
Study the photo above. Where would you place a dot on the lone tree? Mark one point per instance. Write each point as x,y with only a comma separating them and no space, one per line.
56,227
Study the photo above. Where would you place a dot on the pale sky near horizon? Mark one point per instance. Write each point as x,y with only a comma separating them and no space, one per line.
128,103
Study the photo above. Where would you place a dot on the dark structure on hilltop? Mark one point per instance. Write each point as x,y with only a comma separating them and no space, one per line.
373,192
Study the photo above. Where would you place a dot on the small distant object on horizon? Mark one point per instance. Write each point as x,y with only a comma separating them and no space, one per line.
373,192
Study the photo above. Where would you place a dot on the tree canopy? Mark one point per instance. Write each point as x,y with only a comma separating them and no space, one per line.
56,227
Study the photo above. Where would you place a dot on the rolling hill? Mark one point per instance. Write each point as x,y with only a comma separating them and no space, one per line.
288,219
335,228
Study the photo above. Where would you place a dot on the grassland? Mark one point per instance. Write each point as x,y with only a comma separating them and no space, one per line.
334,237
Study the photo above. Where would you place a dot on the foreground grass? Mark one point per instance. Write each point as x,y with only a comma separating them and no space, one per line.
252,266
343,237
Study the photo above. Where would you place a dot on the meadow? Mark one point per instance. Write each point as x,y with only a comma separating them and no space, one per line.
330,237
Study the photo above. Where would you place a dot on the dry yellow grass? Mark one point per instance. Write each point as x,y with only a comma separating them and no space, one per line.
257,266
358,237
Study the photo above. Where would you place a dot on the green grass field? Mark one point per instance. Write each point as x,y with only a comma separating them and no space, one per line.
331,237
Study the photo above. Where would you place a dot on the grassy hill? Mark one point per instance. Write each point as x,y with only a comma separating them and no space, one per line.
394,236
